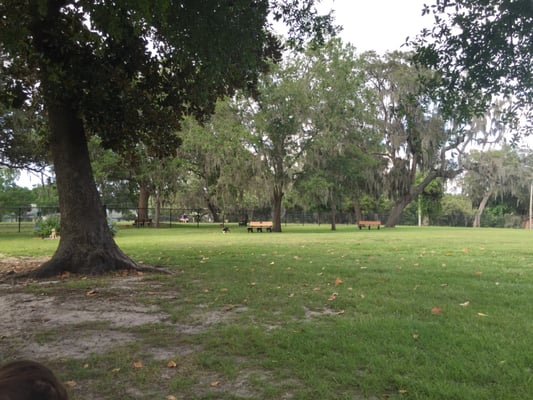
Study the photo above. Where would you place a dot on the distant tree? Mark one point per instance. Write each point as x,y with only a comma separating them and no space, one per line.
279,121
456,210
112,178
128,72
12,195
340,161
493,173
214,152
429,202
416,138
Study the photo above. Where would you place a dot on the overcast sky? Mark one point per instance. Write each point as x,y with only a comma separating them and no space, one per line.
380,25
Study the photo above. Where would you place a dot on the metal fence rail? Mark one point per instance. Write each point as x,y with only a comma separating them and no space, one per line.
23,219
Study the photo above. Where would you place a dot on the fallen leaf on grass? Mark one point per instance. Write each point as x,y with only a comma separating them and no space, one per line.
436,310
480,314
478,273
338,281
92,292
170,397
215,383
137,364
70,384
172,364
115,370
465,304
333,296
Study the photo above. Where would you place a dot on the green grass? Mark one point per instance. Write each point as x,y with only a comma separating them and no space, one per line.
262,315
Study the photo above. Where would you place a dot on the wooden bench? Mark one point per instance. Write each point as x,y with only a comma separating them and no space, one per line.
259,225
363,224
142,221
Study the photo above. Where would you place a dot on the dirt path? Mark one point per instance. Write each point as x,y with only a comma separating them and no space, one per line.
25,311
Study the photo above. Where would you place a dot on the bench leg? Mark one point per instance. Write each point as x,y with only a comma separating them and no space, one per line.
250,229
269,229
260,230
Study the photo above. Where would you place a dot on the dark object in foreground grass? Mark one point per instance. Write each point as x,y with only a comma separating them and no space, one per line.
29,380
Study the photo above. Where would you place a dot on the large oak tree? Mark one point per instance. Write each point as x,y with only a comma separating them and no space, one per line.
128,71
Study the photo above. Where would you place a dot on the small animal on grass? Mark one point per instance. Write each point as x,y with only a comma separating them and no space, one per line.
225,230
53,234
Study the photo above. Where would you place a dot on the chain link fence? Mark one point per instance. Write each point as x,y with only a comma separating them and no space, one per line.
23,219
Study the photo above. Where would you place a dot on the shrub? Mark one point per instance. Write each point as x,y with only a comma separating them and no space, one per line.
44,226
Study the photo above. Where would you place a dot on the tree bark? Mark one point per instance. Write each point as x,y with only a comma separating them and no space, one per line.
333,217
357,210
86,245
277,198
481,208
144,197
399,206
211,207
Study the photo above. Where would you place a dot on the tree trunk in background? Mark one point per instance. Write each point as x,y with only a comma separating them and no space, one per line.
277,198
357,210
333,217
399,206
481,208
86,245
211,207
157,211
144,197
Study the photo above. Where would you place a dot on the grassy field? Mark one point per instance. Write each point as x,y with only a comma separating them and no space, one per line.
404,313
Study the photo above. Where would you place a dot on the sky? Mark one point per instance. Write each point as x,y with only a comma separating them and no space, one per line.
380,25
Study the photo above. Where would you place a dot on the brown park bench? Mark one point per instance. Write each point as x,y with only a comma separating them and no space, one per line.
259,225
369,224
142,221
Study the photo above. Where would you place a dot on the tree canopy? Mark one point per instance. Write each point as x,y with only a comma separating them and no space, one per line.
481,49
128,72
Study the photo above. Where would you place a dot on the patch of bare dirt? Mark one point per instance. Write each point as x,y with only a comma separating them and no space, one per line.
105,315
12,265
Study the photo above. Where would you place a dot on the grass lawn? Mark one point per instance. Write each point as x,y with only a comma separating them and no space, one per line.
403,313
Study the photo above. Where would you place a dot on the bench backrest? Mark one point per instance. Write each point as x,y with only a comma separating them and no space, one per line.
260,224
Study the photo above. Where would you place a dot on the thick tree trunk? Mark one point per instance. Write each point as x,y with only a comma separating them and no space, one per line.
277,198
481,208
144,197
399,206
396,212
212,209
357,210
86,245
